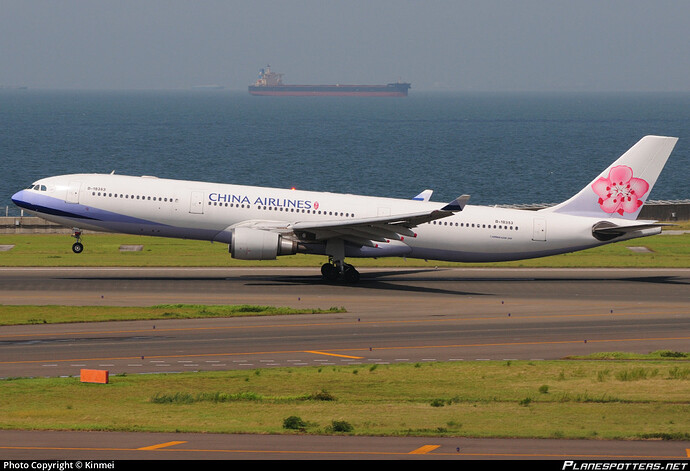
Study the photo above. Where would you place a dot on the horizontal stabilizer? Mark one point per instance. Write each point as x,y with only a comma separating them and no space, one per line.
607,230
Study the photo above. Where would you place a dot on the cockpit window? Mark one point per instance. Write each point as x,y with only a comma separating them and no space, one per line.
37,187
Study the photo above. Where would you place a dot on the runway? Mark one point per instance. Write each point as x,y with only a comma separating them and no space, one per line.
85,446
392,315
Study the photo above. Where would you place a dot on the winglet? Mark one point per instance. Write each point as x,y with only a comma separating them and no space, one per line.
458,204
424,195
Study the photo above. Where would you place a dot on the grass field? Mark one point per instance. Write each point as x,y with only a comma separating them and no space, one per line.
630,399
104,250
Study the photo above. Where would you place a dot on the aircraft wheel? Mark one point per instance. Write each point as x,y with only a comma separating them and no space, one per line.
351,274
329,271
77,247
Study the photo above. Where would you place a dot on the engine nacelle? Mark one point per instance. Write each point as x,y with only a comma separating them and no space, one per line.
255,244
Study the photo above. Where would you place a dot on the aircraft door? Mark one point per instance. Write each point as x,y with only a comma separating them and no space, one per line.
196,204
539,230
73,192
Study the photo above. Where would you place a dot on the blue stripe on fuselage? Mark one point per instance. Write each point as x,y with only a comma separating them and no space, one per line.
49,205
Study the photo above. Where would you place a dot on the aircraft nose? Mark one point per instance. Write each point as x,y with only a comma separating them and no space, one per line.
19,198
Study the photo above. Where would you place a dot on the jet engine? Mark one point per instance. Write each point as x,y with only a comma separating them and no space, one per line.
255,244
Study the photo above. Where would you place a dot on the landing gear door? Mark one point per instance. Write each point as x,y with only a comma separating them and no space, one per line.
539,232
73,192
196,203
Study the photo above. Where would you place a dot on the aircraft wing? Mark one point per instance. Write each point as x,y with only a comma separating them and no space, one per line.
367,231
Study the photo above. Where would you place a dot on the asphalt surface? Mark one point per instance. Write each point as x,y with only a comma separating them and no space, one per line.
32,445
392,315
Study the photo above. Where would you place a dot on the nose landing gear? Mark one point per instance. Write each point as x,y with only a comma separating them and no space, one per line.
77,247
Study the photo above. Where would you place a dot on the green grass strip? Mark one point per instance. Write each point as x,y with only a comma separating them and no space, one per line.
54,250
52,314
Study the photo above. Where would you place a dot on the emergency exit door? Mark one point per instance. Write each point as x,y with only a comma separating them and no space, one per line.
539,229
196,202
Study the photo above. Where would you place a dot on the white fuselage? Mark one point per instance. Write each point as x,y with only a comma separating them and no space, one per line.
206,211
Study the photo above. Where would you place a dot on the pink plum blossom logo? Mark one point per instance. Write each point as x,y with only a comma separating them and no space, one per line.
620,192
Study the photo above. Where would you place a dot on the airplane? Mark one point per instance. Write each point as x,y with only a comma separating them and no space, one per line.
261,223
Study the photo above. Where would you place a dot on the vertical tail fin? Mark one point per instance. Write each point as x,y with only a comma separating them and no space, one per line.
621,190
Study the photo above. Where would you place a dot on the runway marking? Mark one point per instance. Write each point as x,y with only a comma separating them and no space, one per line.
423,450
501,316
160,445
157,358
333,355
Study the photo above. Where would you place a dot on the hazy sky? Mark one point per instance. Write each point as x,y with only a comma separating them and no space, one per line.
482,45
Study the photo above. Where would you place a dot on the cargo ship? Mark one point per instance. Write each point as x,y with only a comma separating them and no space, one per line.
271,84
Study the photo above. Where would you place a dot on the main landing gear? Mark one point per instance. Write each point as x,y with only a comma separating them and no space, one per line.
77,247
336,268
334,271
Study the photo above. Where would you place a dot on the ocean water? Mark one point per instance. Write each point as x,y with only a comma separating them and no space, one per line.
499,148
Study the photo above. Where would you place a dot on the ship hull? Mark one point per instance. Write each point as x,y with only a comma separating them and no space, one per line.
390,90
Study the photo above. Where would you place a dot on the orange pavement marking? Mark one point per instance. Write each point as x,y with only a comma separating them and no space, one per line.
424,449
160,445
333,354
